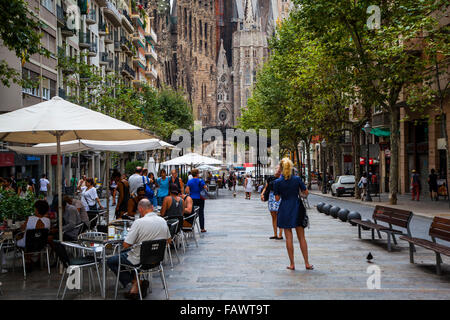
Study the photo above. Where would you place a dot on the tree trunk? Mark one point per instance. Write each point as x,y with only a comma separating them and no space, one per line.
394,168
297,154
337,155
447,152
308,160
334,152
356,152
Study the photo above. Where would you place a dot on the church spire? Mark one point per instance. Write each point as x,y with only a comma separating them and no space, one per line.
249,19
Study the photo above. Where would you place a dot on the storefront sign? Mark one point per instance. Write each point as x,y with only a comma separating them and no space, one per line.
6,159
362,160
33,158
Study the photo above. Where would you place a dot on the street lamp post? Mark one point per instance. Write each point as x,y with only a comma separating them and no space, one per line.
367,129
324,178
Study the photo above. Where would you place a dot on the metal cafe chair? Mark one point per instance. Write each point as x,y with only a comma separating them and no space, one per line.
35,242
190,230
83,261
173,226
197,210
151,258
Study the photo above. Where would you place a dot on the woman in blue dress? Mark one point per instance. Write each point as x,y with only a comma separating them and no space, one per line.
286,189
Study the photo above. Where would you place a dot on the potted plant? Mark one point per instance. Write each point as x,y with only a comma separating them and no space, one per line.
15,208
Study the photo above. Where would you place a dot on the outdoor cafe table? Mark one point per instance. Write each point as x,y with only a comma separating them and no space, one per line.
103,243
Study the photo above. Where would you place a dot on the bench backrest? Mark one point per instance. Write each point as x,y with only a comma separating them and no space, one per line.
440,228
394,216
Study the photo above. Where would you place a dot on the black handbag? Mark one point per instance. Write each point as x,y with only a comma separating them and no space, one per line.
266,194
302,216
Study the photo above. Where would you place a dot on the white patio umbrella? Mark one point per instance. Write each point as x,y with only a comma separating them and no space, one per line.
58,120
95,145
207,167
192,159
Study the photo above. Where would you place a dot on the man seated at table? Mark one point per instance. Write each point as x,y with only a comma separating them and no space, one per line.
71,218
80,208
173,204
133,203
149,227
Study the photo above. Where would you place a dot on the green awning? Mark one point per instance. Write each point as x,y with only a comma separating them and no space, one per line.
380,132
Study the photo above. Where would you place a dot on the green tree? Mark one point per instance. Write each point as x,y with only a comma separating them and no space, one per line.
165,110
386,61
20,33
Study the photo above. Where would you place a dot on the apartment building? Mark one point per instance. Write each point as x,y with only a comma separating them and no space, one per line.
113,35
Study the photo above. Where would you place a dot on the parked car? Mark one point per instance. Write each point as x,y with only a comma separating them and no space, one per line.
343,185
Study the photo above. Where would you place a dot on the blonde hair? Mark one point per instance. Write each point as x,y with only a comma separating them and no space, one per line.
286,168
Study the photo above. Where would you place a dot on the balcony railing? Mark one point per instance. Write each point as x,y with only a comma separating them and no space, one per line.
60,15
128,69
125,14
112,14
93,49
125,43
106,57
84,39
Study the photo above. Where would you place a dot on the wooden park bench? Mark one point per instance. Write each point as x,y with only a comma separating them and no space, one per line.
391,216
440,229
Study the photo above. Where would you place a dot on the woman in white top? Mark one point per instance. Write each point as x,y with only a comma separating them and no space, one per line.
37,221
248,186
89,196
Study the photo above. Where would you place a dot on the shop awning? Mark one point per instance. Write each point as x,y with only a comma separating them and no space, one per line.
380,132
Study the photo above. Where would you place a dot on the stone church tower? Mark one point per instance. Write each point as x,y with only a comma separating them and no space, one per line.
225,110
196,56
212,49
250,49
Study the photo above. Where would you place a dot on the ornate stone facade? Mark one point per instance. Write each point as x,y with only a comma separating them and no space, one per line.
212,49
196,56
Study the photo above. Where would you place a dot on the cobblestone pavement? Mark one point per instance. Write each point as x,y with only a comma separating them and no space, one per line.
236,260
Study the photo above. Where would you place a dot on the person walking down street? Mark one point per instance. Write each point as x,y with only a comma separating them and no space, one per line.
163,183
432,183
248,186
124,194
415,185
90,196
44,186
273,204
292,213
73,184
193,188
81,183
135,181
362,184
